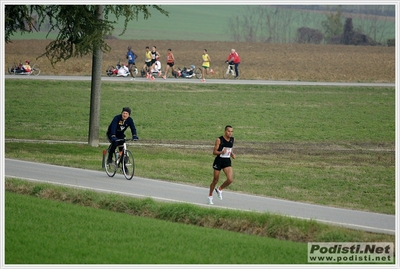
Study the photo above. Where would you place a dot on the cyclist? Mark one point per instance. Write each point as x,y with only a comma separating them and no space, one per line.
26,67
131,56
234,59
116,129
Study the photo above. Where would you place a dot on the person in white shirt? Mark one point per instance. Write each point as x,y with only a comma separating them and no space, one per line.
156,69
123,71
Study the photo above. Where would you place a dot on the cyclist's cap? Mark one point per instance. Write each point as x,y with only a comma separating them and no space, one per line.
27,61
127,109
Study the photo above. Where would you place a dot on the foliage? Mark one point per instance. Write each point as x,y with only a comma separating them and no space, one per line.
352,37
307,35
348,32
79,29
333,25
19,18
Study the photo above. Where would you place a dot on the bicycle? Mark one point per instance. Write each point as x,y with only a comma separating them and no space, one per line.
124,161
230,71
189,72
113,71
17,70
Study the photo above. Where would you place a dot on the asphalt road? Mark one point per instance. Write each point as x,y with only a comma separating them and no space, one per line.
172,192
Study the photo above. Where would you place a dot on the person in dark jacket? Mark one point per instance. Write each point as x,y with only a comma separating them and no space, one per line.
116,129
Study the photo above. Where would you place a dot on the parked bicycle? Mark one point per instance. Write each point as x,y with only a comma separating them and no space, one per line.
123,161
19,70
230,71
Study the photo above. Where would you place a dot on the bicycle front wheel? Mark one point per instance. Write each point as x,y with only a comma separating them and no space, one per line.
11,69
35,70
109,70
199,73
128,165
111,168
227,73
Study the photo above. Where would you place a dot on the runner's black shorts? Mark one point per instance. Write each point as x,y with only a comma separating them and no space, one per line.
221,163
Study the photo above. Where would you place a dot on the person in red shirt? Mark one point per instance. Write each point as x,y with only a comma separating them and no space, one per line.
170,64
234,59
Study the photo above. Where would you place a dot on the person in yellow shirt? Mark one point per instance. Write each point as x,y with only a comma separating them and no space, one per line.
147,60
206,60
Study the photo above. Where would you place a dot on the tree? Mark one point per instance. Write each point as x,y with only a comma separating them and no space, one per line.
333,25
348,32
81,30
307,35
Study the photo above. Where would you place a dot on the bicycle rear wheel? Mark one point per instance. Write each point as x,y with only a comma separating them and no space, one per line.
199,73
128,165
111,168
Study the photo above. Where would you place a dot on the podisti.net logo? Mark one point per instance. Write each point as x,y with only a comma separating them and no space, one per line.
350,252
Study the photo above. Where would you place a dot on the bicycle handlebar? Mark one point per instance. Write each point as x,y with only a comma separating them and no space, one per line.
123,140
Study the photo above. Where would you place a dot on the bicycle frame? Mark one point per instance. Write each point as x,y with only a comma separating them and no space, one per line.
230,71
124,148
124,163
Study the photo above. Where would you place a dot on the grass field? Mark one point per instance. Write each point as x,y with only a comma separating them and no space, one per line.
74,234
81,227
298,143
290,145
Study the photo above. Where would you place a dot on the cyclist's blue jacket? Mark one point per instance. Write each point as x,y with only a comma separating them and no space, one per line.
117,127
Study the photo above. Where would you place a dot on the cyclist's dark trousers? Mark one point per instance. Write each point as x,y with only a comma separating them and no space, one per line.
236,68
113,147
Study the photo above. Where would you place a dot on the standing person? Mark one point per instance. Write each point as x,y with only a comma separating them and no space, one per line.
147,60
154,56
234,59
206,60
170,63
131,56
116,129
223,151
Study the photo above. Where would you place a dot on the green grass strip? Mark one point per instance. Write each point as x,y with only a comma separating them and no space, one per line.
54,224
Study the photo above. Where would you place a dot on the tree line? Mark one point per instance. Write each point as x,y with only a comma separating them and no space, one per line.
277,24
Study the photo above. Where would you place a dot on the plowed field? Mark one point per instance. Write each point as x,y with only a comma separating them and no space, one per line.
295,62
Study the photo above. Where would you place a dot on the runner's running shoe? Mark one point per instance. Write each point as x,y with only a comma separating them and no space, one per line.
219,193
